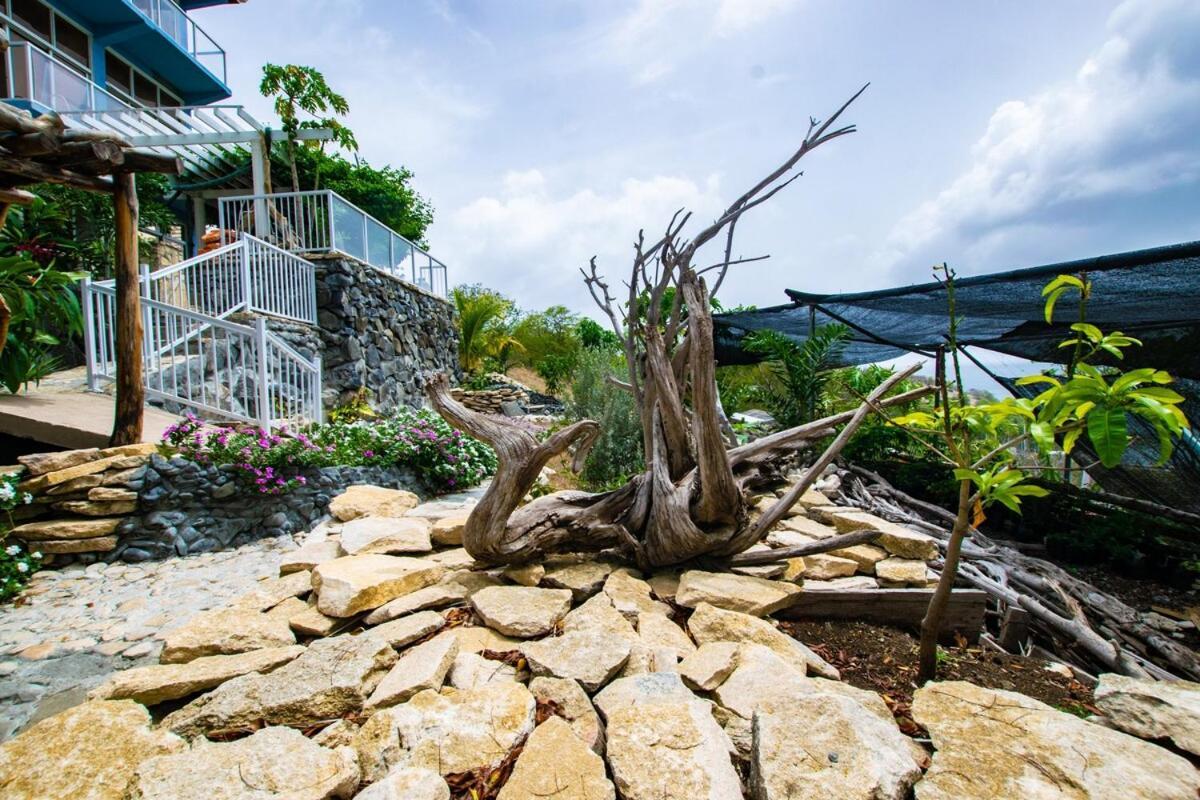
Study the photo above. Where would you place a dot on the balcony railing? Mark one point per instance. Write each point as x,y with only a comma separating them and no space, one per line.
37,76
174,22
325,222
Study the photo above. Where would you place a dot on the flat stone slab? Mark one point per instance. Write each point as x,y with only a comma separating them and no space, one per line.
361,500
224,632
155,684
419,668
755,596
353,584
555,763
711,624
521,611
373,534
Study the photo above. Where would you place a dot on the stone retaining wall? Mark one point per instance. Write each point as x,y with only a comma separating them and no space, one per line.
381,332
131,504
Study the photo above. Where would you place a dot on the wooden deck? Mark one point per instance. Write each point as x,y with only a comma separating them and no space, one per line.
71,419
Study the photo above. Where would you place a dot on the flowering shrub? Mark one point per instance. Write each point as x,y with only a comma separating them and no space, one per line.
16,565
443,458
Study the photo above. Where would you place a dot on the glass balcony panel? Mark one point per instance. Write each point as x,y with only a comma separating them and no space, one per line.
379,245
348,231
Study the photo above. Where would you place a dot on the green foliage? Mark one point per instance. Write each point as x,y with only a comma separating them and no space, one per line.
385,193
548,334
555,370
593,336
484,329
617,453
443,458
796,376
356,409
297,89
44,306
16,562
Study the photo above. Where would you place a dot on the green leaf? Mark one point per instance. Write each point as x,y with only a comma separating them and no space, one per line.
1108,434
1093,333
1043,434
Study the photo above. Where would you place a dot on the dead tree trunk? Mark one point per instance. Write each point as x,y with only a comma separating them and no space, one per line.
693,499
131,394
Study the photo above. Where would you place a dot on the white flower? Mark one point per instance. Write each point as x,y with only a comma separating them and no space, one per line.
37,554
22,566
27,497
12,550
6,491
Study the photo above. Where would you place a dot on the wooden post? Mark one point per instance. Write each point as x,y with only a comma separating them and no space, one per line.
131,395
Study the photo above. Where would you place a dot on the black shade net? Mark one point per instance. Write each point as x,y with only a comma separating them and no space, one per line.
1153,295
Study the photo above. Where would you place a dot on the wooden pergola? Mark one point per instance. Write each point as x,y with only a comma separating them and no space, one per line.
43,150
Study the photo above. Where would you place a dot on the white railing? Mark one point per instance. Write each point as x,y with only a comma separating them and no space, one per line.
194,357
324,222
35,75
175,23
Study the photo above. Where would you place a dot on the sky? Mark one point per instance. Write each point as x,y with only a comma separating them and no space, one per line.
992,136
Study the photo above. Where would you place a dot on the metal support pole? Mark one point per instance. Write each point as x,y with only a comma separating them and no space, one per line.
319,402
199,223
264,391
258,176
247,288
89,333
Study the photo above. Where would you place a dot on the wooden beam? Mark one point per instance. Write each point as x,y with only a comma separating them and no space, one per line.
16,197
901,607
31,144
26,171
148,161
131,394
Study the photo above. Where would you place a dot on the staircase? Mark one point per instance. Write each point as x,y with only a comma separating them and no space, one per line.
194,357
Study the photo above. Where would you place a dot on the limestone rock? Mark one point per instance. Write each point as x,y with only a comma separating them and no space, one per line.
522,611
127,450
591,657
896,539
89,508
439,595
456,558
854,583
41,463
332,678
664,585
574,706
308,556
652,688
829,748
81,484
92,467
583,578
525,574
99,544
347,586
66,529
270,593
419,668
386,535
1153,709
154,684
406,630
656,632
362,500
554,763
472,639
670,751
404,783
470,671
826,566
709,666
272,763
631,595
711,624
866,556
311,622
898,572
340,733
600,616
447,733
993,743
223,632
803,526
88,752
108,494
449,530
748,595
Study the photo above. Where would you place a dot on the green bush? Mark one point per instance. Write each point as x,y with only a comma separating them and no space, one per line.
16,562
617,453
443,458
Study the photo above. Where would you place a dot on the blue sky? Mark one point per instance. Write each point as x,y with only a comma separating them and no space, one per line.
994,135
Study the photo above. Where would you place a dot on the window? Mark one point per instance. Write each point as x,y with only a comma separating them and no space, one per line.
145,90
72,41
33,15
119,76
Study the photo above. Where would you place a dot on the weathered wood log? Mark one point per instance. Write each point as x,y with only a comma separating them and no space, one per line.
903,607
34,172
149,161
809,549
130,394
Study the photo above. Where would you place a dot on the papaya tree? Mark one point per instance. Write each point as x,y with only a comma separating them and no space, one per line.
979,442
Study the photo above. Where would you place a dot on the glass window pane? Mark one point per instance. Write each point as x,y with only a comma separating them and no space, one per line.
72,41
145,90
117,72
33,15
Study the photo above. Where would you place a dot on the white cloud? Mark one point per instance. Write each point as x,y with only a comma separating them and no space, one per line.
1060,161
529,240
738,15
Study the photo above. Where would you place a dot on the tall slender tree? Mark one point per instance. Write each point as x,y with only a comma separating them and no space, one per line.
296,90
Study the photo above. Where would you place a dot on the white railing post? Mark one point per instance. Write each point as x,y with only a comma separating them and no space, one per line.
318,404
247,288
264,391
89,333
329,215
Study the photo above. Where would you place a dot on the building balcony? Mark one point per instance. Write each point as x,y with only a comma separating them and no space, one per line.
37,81
183,30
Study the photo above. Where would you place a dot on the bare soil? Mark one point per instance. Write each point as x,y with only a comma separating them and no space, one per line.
884,660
